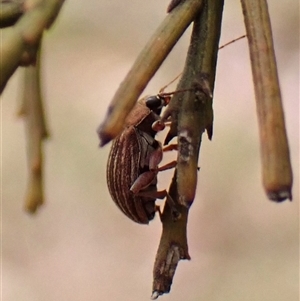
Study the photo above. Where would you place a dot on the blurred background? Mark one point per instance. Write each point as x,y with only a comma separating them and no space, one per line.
79,246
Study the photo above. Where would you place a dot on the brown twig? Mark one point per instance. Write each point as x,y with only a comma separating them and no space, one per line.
36,132
276,165
172,247
200,73
145,67
193,114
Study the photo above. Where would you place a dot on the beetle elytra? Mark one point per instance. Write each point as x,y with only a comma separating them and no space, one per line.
133,162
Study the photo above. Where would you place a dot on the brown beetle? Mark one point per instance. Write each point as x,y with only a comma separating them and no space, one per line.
133,162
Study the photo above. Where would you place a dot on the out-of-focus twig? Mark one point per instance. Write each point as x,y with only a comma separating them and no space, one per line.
145,67
19,43
276,165
10,12
192,113
36,132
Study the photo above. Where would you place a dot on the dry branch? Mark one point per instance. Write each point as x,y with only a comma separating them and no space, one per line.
145,67
276,166
191,113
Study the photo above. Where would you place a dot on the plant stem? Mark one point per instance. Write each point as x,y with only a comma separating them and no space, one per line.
145,66
276,166
36,132
191,113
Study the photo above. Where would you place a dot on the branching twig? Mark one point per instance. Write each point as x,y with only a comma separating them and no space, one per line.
145,67
276,166
195,115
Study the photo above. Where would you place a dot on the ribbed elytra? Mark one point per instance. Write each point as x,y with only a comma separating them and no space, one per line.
133,160
128,159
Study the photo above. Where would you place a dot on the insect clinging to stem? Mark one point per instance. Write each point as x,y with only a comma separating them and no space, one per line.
133,161
134,157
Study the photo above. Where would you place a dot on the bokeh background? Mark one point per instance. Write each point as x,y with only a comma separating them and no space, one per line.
79,246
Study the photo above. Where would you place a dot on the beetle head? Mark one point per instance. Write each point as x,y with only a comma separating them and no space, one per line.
156,102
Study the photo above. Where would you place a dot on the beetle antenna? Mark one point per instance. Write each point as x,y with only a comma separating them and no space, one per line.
161,91
164,94
232,41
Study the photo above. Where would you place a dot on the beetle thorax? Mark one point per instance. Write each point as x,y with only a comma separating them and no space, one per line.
142,118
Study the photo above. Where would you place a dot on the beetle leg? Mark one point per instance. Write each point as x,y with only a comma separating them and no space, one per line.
168,123
155,158
170,147
167,166
161,195
158,125
171,164
147,177
143,181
